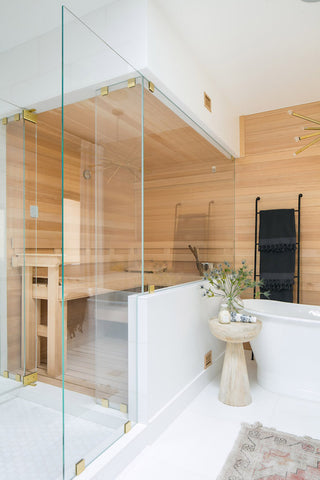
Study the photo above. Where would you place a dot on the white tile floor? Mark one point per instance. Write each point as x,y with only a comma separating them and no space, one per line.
196,445
31,431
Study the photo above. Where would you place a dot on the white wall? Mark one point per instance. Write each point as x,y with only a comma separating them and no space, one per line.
172,336
31,71
177,71
139,31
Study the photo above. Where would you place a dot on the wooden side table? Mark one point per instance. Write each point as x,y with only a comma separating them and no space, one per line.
234,384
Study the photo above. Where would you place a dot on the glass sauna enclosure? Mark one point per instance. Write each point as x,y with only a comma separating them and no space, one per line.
106,190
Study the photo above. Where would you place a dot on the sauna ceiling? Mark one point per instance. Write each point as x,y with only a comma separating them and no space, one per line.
171,146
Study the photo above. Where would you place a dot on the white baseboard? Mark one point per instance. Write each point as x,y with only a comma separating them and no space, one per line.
111,462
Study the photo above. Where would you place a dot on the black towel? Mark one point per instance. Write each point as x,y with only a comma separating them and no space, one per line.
277,231
277,245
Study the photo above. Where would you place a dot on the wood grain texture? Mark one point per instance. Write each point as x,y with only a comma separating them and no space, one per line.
185,202
103,136
234,383
268,169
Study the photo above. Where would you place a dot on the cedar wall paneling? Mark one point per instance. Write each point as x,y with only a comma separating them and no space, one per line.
118,203
197,210
184,201
268,168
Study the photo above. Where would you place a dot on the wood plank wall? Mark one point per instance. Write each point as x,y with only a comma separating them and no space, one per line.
196,209
117,202
268,168
185,202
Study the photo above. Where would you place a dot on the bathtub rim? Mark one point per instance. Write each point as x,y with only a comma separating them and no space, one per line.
288,318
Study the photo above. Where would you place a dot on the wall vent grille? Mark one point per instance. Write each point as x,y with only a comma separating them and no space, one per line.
208,359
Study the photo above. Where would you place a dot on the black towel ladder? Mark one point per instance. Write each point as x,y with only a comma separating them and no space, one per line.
256,244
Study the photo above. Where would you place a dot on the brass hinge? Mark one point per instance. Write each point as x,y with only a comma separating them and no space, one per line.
104,91
17,378
80,466
105,402
16,117
151,288
127,427
30,116
131,82
123,408
5,374
5,121
151,87
30,379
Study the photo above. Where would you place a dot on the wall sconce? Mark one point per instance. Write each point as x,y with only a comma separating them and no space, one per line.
310,135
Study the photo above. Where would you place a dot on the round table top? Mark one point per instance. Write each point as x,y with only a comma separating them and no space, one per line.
234,332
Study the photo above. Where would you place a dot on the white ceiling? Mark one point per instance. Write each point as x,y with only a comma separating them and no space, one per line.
263,54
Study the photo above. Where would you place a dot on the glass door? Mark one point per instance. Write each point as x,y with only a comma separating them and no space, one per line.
18,216
117,173
102,262
102,240
28,258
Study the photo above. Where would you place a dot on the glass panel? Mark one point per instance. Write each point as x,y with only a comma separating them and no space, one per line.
102,239
189,196
23,325
3,256
12,241
30,217
31,305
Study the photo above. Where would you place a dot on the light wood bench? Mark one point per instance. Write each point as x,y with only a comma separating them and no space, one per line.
74,288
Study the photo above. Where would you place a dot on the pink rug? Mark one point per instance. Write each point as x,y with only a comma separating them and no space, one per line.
261,453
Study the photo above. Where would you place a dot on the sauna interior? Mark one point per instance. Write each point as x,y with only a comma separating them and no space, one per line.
188,200
110,192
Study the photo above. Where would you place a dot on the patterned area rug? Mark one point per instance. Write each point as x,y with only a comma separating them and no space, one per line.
263,453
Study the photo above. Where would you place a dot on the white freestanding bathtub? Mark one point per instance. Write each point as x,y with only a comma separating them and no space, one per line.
287,350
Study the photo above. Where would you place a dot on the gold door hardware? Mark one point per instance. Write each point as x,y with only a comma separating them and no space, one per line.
17,117
5,374
80,466
127,427
105,402
30,116
104,91
5,121
151,87
17,378
151,288
123,408
131,82
30,379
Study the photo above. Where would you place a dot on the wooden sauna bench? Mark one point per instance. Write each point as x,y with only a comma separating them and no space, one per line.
52,292
74,288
